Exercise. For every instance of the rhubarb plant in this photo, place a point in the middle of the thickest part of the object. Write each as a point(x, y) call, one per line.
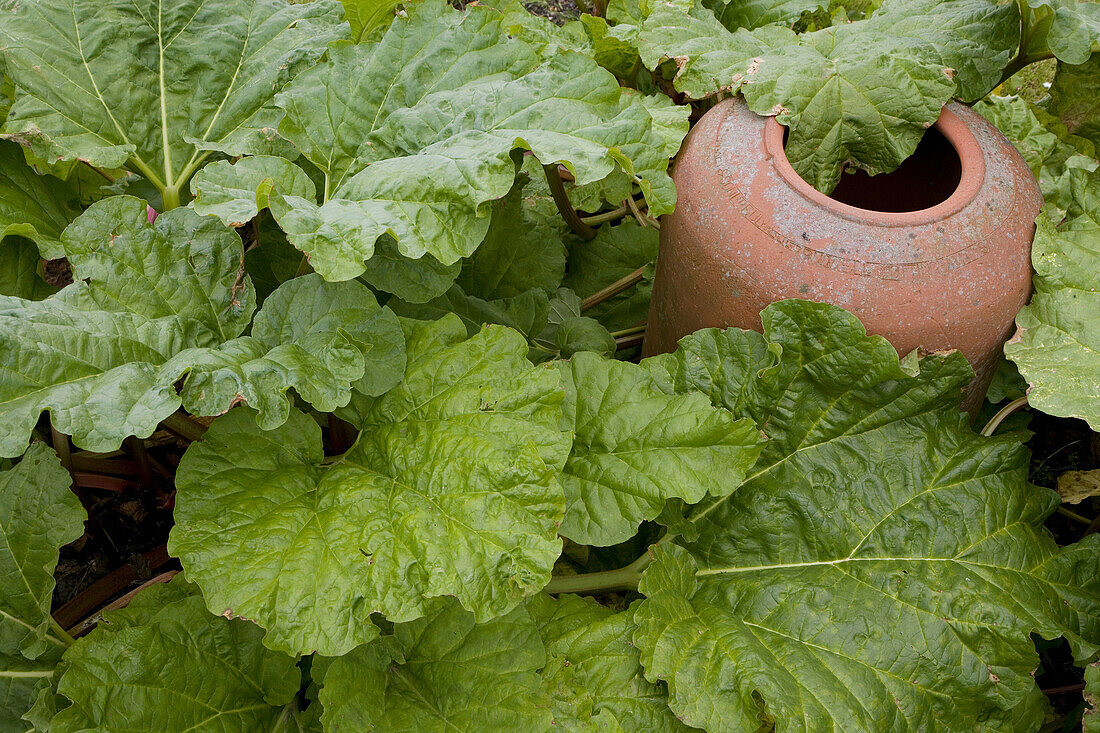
point(352, 294)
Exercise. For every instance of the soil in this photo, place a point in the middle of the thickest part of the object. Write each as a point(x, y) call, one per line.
point(559, 11)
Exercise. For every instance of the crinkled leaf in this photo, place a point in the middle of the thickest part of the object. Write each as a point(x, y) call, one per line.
point(851, 94)
point(882, 568)
point(1057, 346)
point(1068, 28)
point(415, 135)
point(1016, 119)
point(236, 192)
point(859, 93)
point(1075, 98)
point(21, 270)
point(152, 84)
point(22, 683)
point(33, 206)
point(975, 38)
point(708, 58)
point(164, 663)
point(635, 447)
point(38, 514)
point(593, 657)
point(441, 673)
point(154, 302)
point(1076, 486)
point(616, 252)
point(448, 491)
point(416, 281)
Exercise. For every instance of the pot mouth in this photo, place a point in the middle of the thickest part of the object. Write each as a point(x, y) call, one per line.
point(953, 133)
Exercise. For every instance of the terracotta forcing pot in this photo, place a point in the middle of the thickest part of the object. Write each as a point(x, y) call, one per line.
point(934, 256)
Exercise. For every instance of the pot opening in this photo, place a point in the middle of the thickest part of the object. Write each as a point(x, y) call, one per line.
point(926, 178)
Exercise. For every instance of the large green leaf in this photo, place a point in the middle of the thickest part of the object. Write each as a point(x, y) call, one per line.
point(367, 17)
point(883, 567)
point(635, 447)
point(154, 302)
point(165, 664)
point(440, 674)
point(38, 514)
point(152, 84)
point(1067, 28)
point(33, 206)
point(594, 670)
point(1075, 98)
point(1057, 346)
point(751, 14)
point(21, 272)
point(616, 252)
point(451, 489)
point(415, 134)
point(860, 93)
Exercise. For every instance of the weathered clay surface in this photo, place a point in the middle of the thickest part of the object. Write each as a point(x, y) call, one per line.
point(748, 231)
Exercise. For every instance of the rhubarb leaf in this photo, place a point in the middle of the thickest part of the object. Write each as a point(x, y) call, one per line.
point(615, 253)
point(1057, 346)
point(38, 514)
point(154, 85)
point(439, 674)
point(635, 447)
point(593, 660)
point(156, 302)
point(1075, 98)
point(451, 489)
point(415, 133)
point(752, 14)
point(33, 206)
point(847, 585)
point(21, 270)
point(1067, 28)
point(165, 663)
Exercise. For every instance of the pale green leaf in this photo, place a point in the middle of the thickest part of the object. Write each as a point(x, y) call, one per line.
point(451, 489)
point(1068, 28)
point(415, 134)
point(635, 447)
point(236, 192)
point(707, 57)
point(165, 664)
point(1057, 346)
point(975, 38)
point(1016, 119)
point(440, 674)
point(155, 85)
point(593, 660)
point(38, 514)
point(33, 206)
point(155, 302)
point(881, 569)
point(416, 281)
point(851, 93)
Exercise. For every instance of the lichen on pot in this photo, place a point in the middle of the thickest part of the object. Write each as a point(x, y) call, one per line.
point(934, 256)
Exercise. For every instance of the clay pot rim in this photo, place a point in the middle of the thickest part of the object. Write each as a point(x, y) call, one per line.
point(954, 130)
